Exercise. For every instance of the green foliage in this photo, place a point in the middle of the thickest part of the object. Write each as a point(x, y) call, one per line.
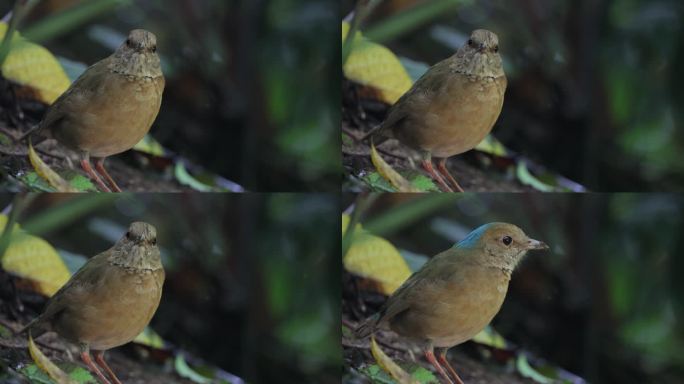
point(412, 18)
point(378, 376)
point(76, 373)
point(57, 24)
point(184, 370)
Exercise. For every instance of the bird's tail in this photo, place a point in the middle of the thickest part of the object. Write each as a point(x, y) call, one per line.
point(367, 326)
point(35, 326)
point(377, 134)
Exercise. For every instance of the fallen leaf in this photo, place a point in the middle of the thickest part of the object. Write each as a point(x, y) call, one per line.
point(387, 364)
point(43, 170)
point(48, 366)
point(387, 172)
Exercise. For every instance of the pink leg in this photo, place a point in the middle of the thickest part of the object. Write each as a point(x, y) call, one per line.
point(427, 165)
point(431, 358)
point(99, 165)
point(441, 356)
point(85, 356)
point(441, 166)
point(99, 358)
point(85, 164)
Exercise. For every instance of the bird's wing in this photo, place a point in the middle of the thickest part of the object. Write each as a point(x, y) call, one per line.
point(435, 272)
point(420, 94)
point(87, 84)
point(78, 286)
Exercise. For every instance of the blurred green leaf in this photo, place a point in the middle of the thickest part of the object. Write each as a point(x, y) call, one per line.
point(527, 178)
point(185, 178)
point(410, 19)
point(526, 370)
point(59, 215)
point(57, 24)
point(184, 370)
point(410, 211)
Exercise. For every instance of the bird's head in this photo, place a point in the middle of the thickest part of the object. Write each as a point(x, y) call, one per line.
point(499, 245)
point(479, 56)
point(141, 40)
point(137, 56)
point(137, 248)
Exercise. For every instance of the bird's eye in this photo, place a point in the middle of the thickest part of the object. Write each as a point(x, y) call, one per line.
point(128, 42)
point(154, 48)
point(507, 240)
point(496, 48)
point(154, 241)
point(128, 234)
point(470, 42)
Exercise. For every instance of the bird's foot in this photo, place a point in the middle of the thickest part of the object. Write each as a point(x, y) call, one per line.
point(429, 354)
point(441, 166)
point(99, 165)
point(85, 164)
point(441, 357)
point(99, 358)
point(427, 165)
point(85, 356)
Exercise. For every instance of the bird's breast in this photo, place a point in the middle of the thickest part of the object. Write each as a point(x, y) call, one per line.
point(452, 312)
point(113, 116)
point(456, 116)
point(115, 310)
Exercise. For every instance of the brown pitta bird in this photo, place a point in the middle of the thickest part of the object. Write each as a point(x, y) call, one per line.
point(455, 294)
point(111, 106)
point(452, 107)
point(110, 300)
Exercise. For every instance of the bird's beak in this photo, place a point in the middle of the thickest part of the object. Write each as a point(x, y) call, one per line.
point(536, 244)
point(481, 48)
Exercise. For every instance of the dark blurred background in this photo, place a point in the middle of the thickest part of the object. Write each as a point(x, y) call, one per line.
point(606, 302)
point(248, 93)
point(595, 86)
point(248, 285)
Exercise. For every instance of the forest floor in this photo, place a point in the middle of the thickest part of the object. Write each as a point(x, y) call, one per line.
point(474, 170)
point(133, 364)
point(475, 363)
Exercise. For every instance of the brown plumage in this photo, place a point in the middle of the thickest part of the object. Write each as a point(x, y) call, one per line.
point(452, 107)
point(111, 106)
point(110, 300)
point(456, 293)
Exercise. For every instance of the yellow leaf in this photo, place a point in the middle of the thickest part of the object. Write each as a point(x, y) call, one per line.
point(387, 172)
point(33, 258)
point(490, 337)
point(149, 338)
point(35, 68)
point(56, 374)
point(345, 224)
point(150, 146)
point(389, 366)
point(375, 66)
point(492, 146)
point(375, 258)
point(43, 170)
